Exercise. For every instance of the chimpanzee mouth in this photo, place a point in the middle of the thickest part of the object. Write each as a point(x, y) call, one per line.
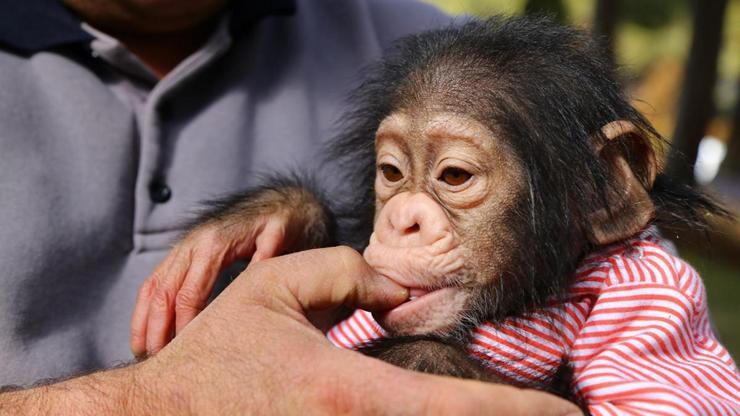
point(416, 293)
point(423, 299)
point(453, 282)
point(426, 310)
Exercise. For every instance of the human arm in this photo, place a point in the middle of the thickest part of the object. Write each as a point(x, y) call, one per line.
point(112, 392)
point(254, 351)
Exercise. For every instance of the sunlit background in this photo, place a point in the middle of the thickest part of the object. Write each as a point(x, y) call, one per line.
point(680, 62)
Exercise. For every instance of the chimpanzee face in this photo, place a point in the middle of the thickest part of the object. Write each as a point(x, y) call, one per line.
point(446, 192)
point(504, 154)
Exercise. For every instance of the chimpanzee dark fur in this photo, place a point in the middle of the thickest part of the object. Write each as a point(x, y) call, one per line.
point(429, 354)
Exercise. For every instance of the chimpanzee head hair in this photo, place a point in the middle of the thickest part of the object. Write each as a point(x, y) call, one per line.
point(547, 91)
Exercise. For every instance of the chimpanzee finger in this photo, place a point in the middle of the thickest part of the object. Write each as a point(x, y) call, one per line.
point(197, 286)
point(140, 316)
point(166, 281)
point(139, 319)
point(269, 242)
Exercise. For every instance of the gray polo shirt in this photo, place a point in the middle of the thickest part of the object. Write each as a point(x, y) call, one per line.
point(100, 162)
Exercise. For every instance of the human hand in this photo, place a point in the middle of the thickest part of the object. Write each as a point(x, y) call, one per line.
point(180, 286)
point(253, 350)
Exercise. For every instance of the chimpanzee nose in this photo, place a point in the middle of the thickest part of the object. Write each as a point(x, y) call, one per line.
point(411, 220)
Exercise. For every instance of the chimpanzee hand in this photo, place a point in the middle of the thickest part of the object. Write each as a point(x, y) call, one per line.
point(257, 225)
point(179, 287)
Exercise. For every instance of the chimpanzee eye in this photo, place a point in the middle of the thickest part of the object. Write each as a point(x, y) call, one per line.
point(391, 173)
point(454, 176)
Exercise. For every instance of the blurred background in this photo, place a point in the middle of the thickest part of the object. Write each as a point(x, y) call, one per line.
point(680, 62)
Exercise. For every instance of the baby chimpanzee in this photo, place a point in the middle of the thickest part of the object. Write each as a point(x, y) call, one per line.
point(513, 189)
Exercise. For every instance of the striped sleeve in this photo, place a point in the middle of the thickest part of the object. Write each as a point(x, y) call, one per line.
point(528, 351)
point(356, 330)
point(647, 347)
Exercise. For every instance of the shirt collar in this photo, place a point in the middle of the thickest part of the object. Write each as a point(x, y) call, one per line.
point(30, 26)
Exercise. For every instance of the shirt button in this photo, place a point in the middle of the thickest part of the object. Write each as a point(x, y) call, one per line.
point(159, 192)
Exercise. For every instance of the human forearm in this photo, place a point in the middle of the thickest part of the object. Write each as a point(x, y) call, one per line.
point(114, 392)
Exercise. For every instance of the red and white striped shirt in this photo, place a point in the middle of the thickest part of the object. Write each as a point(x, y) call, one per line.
point(634, 326)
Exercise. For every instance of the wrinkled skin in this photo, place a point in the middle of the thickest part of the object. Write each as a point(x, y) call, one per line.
point(444, 184)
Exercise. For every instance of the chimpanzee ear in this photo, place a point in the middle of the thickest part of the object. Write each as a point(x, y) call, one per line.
point(632, 166)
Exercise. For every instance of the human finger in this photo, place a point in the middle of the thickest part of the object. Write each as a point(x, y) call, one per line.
point(320, 279)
